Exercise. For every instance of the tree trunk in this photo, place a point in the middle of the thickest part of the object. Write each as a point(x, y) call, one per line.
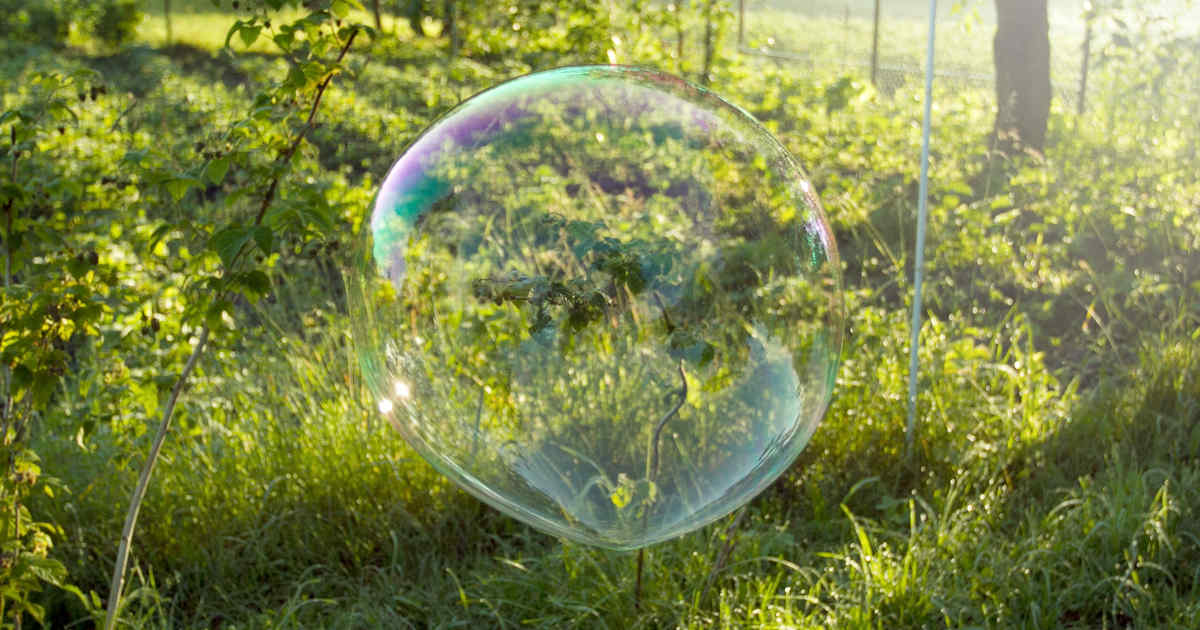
point(706, 75)
point(450, 24)
point(378, 16)
point(1022, 55)
point(167, 17)
point(415, 15)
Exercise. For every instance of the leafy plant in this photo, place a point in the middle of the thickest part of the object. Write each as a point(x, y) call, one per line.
point(116, 21)
point(277, 127)
point(54, 294)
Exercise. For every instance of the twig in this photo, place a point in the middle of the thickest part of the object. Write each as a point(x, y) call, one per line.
point(726, 551)
point(139, 492)
point(286, 156)
point(637, 589)
point(9, 406)
point(663, 423)
point(652, 470)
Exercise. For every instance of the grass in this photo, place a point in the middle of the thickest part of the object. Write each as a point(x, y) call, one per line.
point(1055, 483)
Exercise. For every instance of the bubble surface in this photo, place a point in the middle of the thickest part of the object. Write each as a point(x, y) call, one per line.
point(601, 299)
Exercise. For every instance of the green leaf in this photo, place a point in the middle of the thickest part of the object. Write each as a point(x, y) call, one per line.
point(179, 186)
point(236, 28)
point(216, 317)
point(21, 377)
point(249, 34)
point(43, 387)
point(73, 187)
point(159, 232)
point(255, 281)
point(264, 238)
point(133, 158)
point(45, 569)
point(340, 8)
point(215, 170)
point(285, 39)
point(228, 242)
point(88, 314)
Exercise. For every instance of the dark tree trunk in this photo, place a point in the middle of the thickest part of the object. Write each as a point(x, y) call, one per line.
point(1022, 54)
point(167, 17)
point(378, 16)
point(706, 75)
point(450, 24)
point(416, 13)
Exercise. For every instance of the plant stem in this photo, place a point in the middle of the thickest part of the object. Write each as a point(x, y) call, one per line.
point(8, 411)
point(637, 591)
point(287, 155)
point(652, 465)
point(9, 417)
point(723, 556)
point(139, 492)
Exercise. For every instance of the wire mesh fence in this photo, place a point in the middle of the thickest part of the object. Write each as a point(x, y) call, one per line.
point(885, 39)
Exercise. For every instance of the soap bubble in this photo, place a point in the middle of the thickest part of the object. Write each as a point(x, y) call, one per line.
point(601, 299)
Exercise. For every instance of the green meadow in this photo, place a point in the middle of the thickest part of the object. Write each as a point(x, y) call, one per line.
point(204, 191)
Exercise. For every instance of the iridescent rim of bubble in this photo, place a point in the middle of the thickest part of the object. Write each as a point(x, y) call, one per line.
point(409, 192)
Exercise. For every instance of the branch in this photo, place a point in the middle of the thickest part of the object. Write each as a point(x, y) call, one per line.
point(286, 156)
point(139, 492)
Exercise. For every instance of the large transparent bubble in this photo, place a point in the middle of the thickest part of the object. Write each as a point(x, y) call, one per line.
point(601, 299)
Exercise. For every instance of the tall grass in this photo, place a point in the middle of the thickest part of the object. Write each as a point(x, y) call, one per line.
point(1055, 481)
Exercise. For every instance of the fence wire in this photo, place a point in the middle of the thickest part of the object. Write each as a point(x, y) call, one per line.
point(841, 34)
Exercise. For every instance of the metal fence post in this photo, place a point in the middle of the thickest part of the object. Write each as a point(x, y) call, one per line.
point(914, 363)
point(1087, 53)
point(741, 23)
point(875, 49)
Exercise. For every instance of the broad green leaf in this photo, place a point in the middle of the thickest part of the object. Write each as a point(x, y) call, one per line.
point(236, 28)
point(46, 569)
point(178, 187)
point(249, 34)
point(159, 232)
point(228, 242)
point(255, 281)
point(264, 238)
point(215, 170)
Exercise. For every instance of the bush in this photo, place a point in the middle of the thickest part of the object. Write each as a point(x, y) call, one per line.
point(117, 22)
point(34, 21)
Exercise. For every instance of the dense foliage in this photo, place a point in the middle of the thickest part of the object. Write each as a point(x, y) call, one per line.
point(199, 198)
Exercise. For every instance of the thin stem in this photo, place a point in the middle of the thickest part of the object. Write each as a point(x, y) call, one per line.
point(652, 467)
point(7, 416)
point(9, 411)
point(8, 212)
point(287, 155)
point(658, 429)
point(139, 492)
point(637, 590)
point(726, 551)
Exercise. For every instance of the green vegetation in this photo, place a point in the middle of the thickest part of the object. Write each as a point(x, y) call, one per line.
point(152, 191)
